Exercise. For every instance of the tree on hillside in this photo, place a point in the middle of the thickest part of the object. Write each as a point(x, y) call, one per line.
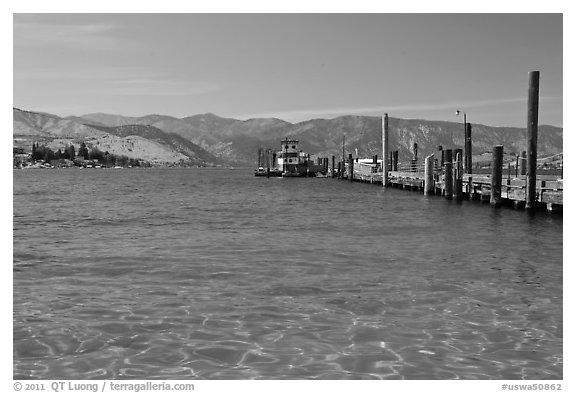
point(38, 152)
point(83, 151)
point(48, 154)
point(71, 152)
point(108, 159)
point(122, 161)
point(96, 154)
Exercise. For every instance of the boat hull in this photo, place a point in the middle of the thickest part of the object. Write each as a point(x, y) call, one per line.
point(272, 173)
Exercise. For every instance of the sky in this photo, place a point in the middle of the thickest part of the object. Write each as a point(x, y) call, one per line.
point(290, 66)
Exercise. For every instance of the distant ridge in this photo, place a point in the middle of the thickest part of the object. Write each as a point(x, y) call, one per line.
point(231, 141)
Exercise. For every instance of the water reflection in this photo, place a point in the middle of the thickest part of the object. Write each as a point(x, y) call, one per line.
point(318, 279)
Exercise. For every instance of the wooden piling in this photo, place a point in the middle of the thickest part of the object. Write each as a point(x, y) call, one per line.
point(457, 191)
point(395, 167)
point(496, 178)
point(259, 157)
point(429, 175)
point(441, 150)
point(448, 179)
point(532, 138)
point(350, 167)
point(523, 164)
point(468, 149)
point(385, 151)
point(333, 166)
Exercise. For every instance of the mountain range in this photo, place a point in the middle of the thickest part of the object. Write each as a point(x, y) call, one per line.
point(208, 139)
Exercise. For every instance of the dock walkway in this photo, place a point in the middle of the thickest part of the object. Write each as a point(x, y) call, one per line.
point(549, 189)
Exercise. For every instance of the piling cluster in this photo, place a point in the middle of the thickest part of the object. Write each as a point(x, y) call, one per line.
point(452, 176)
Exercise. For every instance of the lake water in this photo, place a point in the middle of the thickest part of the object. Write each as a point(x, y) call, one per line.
point(217, 274)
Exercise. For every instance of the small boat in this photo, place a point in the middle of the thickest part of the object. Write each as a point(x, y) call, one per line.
point(293, 174)
point(267, 172)
point(260, 172)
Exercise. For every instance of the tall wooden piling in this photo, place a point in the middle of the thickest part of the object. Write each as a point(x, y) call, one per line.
point(523, 164)
point(343, 155)
point(457, 191)
point(385, 152)
point(414, 163)
point(470, 188)
point(496, 178)
point(448, 179)
point(441, 150)
point(532, 138)
point(350, 167)
point(259, 157)
point(333, 166)
point(267, 155)
point(468, 149)
point(429, 175)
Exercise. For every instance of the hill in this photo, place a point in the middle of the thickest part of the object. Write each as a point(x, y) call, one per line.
point(172, 141)
point(141, 142)
point(207, 138)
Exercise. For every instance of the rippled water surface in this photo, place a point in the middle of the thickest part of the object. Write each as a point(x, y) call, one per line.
point(216, 274)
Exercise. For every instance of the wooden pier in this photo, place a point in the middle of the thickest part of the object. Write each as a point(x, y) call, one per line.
point(444, 175)
point(549, 189)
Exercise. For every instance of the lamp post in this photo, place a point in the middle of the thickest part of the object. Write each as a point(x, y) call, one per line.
point(467, 143)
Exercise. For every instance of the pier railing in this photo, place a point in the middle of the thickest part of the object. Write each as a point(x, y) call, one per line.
point(513, 188)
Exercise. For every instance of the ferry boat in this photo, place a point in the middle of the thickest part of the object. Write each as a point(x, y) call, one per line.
point(290, 161)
